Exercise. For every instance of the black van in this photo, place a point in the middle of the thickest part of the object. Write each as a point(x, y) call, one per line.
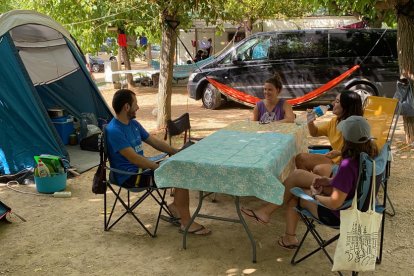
point(305, 59)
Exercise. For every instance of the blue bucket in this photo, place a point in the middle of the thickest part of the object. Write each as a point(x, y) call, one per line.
point(51, 184)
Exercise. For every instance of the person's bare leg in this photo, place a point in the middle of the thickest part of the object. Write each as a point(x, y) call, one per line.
point(298, 178)
point(181, 204)
point(263, 213)
point(292, 218)
point(323, 169)
point(307, 161)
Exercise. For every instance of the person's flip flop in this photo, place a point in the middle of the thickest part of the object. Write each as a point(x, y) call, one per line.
point(281, 243)
point(201, 231)
point(251, 214)
point(174, 221)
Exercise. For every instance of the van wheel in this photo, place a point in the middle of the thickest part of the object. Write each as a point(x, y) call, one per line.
point(211, 97)
point(363, 90)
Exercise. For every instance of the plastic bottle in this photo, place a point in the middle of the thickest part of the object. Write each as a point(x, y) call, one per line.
point(320, 110)
point(42, 169)
point(62, 194)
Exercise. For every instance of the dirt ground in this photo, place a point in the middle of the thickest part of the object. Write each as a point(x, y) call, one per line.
point(65, 236)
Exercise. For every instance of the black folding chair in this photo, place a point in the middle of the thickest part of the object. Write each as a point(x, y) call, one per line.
point(179, 126)
point(123, 194)
point(311, 222)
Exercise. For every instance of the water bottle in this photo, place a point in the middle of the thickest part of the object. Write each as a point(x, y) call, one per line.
point(62, 194)
point(320, 110)
point(42, 169)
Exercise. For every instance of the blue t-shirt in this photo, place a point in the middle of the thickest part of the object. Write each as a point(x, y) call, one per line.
point(346, 178)
point(121, 136)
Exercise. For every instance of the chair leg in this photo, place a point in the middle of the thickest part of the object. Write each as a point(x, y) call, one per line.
point(392, 213)
point(379, 259)
point(129, 209)
point(310, 225)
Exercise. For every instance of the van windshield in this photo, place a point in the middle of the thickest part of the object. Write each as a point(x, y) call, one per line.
point(254, 49)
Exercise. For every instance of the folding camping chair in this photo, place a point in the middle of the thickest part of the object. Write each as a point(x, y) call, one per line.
point(363, 190)
point(177, 127)
point(382, 115)
point(129, 206)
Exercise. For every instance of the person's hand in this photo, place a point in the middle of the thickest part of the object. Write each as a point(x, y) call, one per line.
point(321, 182)
point(316, 190)
point(332, 154)
point(310, 116)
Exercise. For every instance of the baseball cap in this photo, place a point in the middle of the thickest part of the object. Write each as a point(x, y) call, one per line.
point(355, 129)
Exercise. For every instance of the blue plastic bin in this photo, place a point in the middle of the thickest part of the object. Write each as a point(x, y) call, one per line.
point(64, 127)
point(51, 184)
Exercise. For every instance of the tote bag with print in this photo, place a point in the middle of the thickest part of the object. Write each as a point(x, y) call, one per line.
point(359, 236)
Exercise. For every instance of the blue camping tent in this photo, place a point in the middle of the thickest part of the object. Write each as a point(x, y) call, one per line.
point(41, 68)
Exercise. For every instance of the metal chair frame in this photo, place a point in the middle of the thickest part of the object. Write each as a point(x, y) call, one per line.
point(363, 189)
point(129, 205)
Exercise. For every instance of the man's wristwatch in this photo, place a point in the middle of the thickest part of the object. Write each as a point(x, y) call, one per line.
point(313, 196)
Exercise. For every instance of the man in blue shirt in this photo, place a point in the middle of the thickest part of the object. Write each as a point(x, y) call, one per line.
point(125, 136)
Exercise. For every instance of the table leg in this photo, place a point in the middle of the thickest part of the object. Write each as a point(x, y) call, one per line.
point(240, 220)
point(200, 202)
point(246, 228)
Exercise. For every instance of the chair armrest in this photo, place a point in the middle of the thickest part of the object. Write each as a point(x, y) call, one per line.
point(298, 192)
point(126, 172)
point(158, 158)
point(319, 149)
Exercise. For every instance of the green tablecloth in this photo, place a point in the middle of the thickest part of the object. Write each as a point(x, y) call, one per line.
point(245, 159)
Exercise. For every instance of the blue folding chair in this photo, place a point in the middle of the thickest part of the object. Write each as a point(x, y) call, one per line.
point(311, 222)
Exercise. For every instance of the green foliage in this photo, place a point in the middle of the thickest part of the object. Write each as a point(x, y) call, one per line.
point(362, 8)
point(238, 10)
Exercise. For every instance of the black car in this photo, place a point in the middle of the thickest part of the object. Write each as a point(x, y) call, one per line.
point(305, 59)
point(96, 64)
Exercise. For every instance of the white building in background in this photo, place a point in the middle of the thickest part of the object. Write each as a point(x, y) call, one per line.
point(196, 37)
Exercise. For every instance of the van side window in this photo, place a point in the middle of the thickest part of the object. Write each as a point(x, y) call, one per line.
point(358, 44)
point(253, 49)
point(341, 45)
point(299, 45)
point(391, 40)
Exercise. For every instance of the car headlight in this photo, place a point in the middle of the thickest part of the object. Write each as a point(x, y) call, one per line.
point(192, 76)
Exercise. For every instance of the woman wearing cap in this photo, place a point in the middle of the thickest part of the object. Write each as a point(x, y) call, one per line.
point(346, 104)
point(332, 193)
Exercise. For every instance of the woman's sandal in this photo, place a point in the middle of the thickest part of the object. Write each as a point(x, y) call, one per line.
point(281, 243)
point(200, 231)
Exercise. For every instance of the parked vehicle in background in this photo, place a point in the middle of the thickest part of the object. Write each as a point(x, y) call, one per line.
point(96, 64)
point(305, 59)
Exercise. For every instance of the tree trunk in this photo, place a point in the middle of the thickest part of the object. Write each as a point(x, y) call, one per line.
point(406, 61)
point(168, 45)
point(127, 64)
